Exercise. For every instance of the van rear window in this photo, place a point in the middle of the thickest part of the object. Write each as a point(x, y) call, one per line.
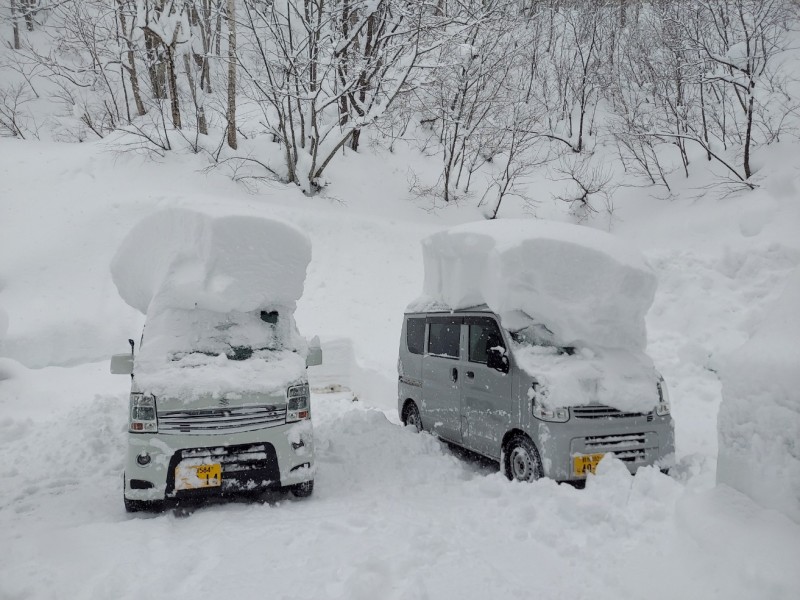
point(415, 335)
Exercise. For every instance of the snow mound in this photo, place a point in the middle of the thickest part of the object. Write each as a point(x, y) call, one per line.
point(586, 286)
point(759, 418)
point(188, 259)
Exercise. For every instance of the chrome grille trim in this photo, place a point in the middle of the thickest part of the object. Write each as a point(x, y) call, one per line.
point(601, 411)
point(221, 420)
point(616, 442)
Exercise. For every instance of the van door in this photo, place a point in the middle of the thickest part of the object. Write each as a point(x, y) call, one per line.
point(441, 378)
point(485, 392)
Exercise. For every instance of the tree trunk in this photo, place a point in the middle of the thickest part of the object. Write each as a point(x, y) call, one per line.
point(172, 78)
point(200, 112)
point(15, 24)
point(133, 74)
point(231, 113)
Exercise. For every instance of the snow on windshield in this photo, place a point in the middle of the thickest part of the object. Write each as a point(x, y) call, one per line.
point(575, 297)
point(219, 294)
point(185, 353)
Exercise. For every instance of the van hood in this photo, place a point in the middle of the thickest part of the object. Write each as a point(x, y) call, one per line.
point(201, 381)
point(621, 379)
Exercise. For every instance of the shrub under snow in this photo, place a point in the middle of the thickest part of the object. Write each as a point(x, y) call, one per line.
point(759, 419)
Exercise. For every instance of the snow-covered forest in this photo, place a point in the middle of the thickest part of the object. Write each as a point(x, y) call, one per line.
point(370, 125)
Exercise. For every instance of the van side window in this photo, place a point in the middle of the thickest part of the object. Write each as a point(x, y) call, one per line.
point(483, 334)
point(415, 335)
point(444, 339)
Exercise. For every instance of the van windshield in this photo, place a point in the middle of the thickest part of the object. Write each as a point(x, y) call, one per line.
point(537, 334)
point(179, 333)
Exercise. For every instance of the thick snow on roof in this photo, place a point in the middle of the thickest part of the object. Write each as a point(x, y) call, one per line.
point(188, 259)
point(759, 418)
point(584, 285)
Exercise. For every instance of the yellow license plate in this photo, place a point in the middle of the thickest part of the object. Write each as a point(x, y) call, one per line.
point(191, 477)
point(585, 463)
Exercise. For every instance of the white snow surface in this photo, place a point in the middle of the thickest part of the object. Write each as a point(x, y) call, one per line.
point(759, 419)
point(394, 514)
point(188, 259)
point(586, 286)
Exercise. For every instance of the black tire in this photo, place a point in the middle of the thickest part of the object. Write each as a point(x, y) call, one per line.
point(151, 506)
point(302, 490)
point(133, 506)
point(411, 417)
point(521, 460)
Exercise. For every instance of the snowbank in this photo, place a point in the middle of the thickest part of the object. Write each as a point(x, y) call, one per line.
point(187, 259)
point(759, 418)
point(586, 286)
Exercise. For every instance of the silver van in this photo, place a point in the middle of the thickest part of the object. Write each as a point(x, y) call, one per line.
point(186, 441)
point(459, 379)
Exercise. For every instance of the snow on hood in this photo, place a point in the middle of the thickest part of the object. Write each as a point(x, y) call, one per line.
point(588, 287)
point(185, 258)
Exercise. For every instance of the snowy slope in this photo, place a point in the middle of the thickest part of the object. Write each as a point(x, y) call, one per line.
point(394, 515)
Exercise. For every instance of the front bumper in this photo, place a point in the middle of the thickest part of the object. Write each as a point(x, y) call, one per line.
point(638, 442)
point(268, 458)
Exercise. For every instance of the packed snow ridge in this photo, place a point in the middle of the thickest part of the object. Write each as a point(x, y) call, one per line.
point(759, 418)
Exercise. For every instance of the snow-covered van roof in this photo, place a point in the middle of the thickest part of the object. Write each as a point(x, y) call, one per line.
point(587, 286)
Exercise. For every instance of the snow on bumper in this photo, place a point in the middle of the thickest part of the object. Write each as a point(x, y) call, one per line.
point(263, 459)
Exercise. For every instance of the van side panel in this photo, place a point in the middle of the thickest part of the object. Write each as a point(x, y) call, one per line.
point(409, 365)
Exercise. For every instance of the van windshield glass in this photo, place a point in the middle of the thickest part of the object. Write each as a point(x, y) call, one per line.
point(537, 334)
point(177, 333)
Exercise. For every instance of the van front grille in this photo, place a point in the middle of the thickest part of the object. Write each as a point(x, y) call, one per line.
point(628, 447)
point(221, 420)
point(600, 411)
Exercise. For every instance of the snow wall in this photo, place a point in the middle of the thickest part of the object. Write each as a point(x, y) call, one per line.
point(759, 418)
point(586, 286)
point(187, 259)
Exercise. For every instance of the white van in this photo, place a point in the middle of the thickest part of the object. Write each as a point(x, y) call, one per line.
point(219, 404)
point(472, 382)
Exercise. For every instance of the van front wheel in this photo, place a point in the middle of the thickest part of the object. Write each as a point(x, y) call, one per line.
point(302, 490)
point(521, 460)
point(411, 417)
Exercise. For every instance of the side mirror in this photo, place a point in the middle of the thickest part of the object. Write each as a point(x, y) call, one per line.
point(314, 357)
point(496, 359)
point(122, 364)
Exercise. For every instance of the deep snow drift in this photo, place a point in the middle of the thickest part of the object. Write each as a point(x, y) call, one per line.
point(394, 515)
point(759, 419)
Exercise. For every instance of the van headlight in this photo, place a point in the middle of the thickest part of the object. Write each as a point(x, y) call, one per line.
point(143, 414)
point(542, 412)
point(554, 415)
point(297, 403)
point(662, 408)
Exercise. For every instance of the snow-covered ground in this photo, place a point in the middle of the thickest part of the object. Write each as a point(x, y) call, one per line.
point(394, 514)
